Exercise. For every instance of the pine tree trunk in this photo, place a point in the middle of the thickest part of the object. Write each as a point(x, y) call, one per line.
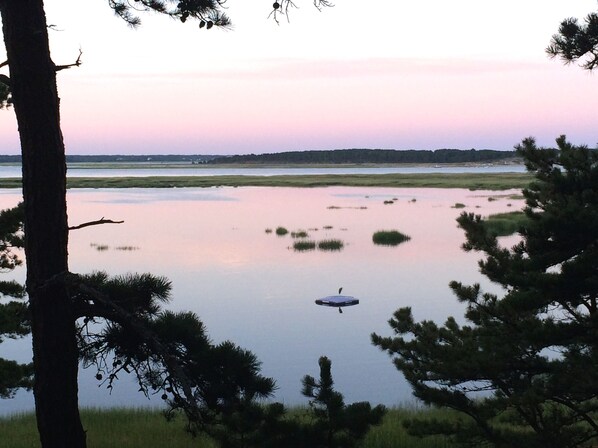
point(55, 356)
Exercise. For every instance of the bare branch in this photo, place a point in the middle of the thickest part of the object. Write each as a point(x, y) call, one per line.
point(95, 223)
point(3, 64)
point(77, 63)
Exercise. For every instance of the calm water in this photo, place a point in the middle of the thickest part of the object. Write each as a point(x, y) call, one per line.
point(15, 171)
point(249, 286)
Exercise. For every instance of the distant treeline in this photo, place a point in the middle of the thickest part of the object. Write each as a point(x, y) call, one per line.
point(371, 156)
point(336, 156)
point(155, 158)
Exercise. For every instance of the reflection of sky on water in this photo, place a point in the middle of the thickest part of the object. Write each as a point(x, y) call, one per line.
point(143, 195)
point(251, 287)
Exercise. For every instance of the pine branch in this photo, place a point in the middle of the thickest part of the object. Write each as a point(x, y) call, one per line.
point(105, 308)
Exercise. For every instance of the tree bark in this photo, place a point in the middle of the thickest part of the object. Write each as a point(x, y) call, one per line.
point(36, 102)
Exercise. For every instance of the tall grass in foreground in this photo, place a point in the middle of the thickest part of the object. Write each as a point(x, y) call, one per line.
point(146, 428)
point(113, 428)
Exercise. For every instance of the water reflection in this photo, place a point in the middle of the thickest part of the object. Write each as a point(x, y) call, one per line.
point(253, 288)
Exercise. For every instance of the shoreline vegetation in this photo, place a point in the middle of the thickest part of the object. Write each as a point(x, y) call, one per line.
point(140, 428)
point(471, 181)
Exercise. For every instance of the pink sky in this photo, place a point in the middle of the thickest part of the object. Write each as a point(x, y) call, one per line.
point(422, 76)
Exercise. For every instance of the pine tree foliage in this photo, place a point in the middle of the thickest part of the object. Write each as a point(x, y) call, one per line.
point(523, 370)
point(209, 13)
point(336, 424)
point(5, 96)
point(14, 317)
point(124, 329)
point(577, 41)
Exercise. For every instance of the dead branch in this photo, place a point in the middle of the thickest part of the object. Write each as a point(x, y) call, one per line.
point(77, 63)
point(95, 223)
point(3, 64)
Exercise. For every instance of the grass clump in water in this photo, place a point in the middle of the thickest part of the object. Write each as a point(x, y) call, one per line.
point(505, 224)
point(281, 231)
point(299, 234)
point(389, 237)
point(331, 245)
point(268, 230)
point(304, 245)
point(126, 248)
point(458, 205)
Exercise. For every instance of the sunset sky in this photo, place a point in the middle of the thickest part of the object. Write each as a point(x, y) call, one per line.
point(394, 74)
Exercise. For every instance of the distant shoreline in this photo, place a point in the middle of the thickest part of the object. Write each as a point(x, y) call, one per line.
point(472, 181)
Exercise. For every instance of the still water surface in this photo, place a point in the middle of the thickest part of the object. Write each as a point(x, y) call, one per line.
point(251, 287)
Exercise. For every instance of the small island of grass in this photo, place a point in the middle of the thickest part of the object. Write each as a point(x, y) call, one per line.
point(281, 231)
point(330, 245)
point(389, 238)
point(505, 224)
point(304, 245)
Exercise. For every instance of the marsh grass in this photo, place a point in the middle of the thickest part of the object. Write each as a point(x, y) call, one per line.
point(330, 245)
point(458, 205)
point(126, 248)
point(114, 428)
point(505, 224)
point(388, 202)
point(147, 428)
point(389, 237)
point(281, 231)
point(304, 245)
point(336, 207)
point(299, 234)
point(472, 181)
point(268, 230)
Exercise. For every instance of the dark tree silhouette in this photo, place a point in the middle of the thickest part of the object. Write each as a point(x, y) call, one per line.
point(14, 318)
point(335, 424)
point(34, 94)
point(577, 42)
point(523, 370)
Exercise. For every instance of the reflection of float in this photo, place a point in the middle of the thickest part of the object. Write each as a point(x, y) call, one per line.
point(337, 301)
